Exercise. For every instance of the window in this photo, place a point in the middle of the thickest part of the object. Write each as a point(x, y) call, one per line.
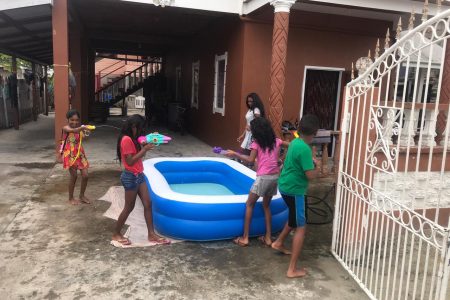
point(219, 83)
point(195, 80)
point(178, 84)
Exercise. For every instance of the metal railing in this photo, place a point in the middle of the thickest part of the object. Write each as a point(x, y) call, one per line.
point(113, 91)
point(391, 226)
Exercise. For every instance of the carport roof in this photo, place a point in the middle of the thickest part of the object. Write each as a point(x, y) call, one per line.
point(27, 32)
point(110, 26)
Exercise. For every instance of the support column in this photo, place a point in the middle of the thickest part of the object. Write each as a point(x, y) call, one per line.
point(278, 64)
point(14, 94)
point(442, 118)
point(78, 63)
point(45, 91)
point(61, 65)
point(90, 83)
point(34, 92)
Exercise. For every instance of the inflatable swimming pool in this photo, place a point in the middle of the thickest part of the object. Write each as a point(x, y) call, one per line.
point(202, 199)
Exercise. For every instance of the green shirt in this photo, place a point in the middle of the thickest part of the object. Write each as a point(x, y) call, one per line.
point(299, 159)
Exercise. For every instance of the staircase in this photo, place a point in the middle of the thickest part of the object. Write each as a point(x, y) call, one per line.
point(120, 88)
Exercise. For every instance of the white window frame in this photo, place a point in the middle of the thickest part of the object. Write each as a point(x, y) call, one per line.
point(194, 97)
point(218, 58)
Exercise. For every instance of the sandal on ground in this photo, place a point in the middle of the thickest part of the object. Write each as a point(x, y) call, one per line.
point(160, 241)
point(238, 241)
point(124, 241)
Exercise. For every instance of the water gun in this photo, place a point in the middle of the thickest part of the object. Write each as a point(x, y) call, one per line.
point(154, 138)
point(219, 150)
point(89, 127)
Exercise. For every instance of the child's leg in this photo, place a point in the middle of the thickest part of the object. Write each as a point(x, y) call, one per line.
point(249, 205)
point(297, 245)
point(278, 244)
point(130, 200)
point(299, 236)
point(72, 182)
point(84, 181)
point(146, 202)
point(268, 219)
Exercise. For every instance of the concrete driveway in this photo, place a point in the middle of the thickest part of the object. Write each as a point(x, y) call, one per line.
point(51, 250)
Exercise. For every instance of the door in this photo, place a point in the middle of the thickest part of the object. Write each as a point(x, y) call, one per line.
point(321, 98)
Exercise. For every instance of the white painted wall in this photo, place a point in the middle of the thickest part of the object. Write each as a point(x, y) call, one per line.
point(227, 6)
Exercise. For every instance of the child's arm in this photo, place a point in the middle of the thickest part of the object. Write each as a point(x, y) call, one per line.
point(241, 137)
point(132, 159)
point(285, 144)
point(315, 173)
point(248, 158)
point(69, 129)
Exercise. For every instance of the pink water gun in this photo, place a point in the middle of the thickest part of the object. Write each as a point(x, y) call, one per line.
point(154, 138)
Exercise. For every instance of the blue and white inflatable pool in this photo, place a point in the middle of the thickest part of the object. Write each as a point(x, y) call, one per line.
point(203, 198)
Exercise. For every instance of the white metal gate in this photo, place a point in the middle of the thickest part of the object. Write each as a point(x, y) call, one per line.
point(391, 225)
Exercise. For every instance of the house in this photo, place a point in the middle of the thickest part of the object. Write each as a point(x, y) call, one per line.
point(299, 57)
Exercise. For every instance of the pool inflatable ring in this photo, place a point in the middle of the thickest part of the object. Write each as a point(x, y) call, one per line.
point(196, 216)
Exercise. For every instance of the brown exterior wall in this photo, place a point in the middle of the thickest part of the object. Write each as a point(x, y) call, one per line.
point(225, 35)
point(314, 40)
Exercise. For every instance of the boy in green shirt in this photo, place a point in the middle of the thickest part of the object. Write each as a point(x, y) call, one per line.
point(298, 169)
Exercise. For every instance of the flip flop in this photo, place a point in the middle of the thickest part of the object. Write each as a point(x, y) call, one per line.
point(85, 201)
point(124, 241)
point(262, 239)
point(238, 242)
point(160, 241)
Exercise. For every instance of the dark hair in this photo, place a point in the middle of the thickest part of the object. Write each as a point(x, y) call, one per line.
point(127, 130)
point(257, 103)
point(308, 125)
point(263, 133)
point(71, 113)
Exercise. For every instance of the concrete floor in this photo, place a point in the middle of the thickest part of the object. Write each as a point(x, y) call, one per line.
point(51, 250)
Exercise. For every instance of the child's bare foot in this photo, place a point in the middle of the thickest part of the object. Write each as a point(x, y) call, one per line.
point(85, 200)
point(121, 239)
point(240, 241)
point(296, 273)
point(74, 201)
point(281, 248)
point(154, 238)
point(266, 241)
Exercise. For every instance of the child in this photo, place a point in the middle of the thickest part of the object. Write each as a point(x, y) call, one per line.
point(297, 171)
point(266, 148)
point(130, 154)
point(73, 155)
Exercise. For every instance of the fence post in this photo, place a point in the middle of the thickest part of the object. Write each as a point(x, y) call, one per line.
point(446, 265)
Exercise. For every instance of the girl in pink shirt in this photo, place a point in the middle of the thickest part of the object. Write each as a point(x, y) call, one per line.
point(266, 149)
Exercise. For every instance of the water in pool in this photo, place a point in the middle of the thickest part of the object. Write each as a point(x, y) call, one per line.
point(201, 189)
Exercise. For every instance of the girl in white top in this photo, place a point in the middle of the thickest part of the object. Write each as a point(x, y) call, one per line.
point(255, 109)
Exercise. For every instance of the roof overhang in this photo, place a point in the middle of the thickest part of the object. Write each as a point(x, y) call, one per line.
point(13, 4)
point(26, 30)
point(225, 6)
point(394, 6)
